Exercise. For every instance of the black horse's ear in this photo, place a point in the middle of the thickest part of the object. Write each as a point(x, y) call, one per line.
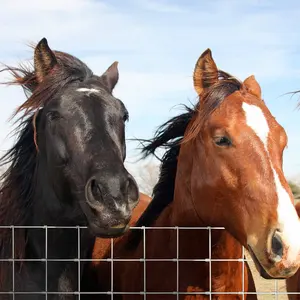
point(111, 76)
point(44, 60)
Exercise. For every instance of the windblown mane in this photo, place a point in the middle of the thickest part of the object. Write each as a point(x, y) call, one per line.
point(170, 135)
point(18, 182)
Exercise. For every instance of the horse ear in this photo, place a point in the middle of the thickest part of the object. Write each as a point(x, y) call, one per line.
point(205, 72)
point(252, 86)
point(44, 60)
point(111, 76)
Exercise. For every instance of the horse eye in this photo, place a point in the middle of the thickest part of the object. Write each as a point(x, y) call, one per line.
point(53, 115)
point(126, 117)
point(222, 141)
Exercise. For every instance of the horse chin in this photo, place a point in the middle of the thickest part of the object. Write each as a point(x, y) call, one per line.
point(109, 232)
point(100, 230)
point(261, 270)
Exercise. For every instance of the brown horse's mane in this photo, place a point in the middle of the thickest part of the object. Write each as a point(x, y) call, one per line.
point(170, 135)
point(19, 180)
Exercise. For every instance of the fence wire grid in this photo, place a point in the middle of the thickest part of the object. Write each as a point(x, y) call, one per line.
point(278, 293)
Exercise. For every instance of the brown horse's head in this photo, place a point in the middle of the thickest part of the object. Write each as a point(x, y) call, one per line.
point(237, 162)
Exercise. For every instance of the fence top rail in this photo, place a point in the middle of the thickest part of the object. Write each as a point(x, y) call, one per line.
point(85, 227)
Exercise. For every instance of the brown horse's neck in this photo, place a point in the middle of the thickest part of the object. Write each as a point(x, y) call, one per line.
point(194, 244)
point(182, 213)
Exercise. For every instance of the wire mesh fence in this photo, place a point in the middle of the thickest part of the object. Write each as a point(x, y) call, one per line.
point(265, 289)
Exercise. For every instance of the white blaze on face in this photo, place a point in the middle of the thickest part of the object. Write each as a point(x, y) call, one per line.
point(288, 222)
point(88, 91)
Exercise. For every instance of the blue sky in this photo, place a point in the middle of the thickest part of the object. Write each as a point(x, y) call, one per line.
point(157, 43)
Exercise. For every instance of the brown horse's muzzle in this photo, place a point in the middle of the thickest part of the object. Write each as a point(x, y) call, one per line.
point(276, 259)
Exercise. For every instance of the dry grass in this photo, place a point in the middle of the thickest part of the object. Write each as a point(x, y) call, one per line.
point(267, 286)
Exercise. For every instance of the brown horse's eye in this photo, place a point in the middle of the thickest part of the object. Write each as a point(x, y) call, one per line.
point(222, 141)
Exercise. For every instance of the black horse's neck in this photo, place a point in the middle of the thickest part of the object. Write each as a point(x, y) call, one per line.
point(51, 245)
point(29, 196)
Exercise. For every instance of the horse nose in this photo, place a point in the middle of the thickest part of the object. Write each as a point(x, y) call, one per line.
point(120, 187)
point(276, 247)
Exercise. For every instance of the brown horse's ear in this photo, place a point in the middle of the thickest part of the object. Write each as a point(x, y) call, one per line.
point(252, 86)
point(44, 60)
point(111, 76)
point(205, 72)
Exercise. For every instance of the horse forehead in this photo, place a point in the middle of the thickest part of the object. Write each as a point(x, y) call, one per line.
point(78, 98)
point(256, 119)
point(100, 93)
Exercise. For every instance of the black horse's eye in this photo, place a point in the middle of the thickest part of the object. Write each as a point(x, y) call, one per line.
point(53, 115)
point(126, 117)
point(222, 141)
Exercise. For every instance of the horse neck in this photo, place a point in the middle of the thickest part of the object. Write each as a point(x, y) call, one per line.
point(48, 209)
point(181, 213)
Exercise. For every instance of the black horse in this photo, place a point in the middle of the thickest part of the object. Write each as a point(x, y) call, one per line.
point(66, 169)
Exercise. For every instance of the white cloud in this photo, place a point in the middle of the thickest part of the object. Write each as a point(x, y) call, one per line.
point(160, 6)
point(71, 25)
point(35, 6)
point(139, 90)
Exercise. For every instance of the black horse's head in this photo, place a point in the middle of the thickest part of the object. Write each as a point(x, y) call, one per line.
point(79, 132)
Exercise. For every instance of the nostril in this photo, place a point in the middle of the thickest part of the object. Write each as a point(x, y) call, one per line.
point(95, 188)
point(127, 184)
point(277, 247)
point(133, 190)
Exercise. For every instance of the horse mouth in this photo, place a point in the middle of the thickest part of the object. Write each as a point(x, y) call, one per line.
point(262, 272)
point(108, 232)
point(102, 230)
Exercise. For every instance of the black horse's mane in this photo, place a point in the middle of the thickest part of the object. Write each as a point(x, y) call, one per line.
point(169, 136)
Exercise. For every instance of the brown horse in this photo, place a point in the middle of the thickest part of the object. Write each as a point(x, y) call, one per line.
point(293, 283)
point(223, 168)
